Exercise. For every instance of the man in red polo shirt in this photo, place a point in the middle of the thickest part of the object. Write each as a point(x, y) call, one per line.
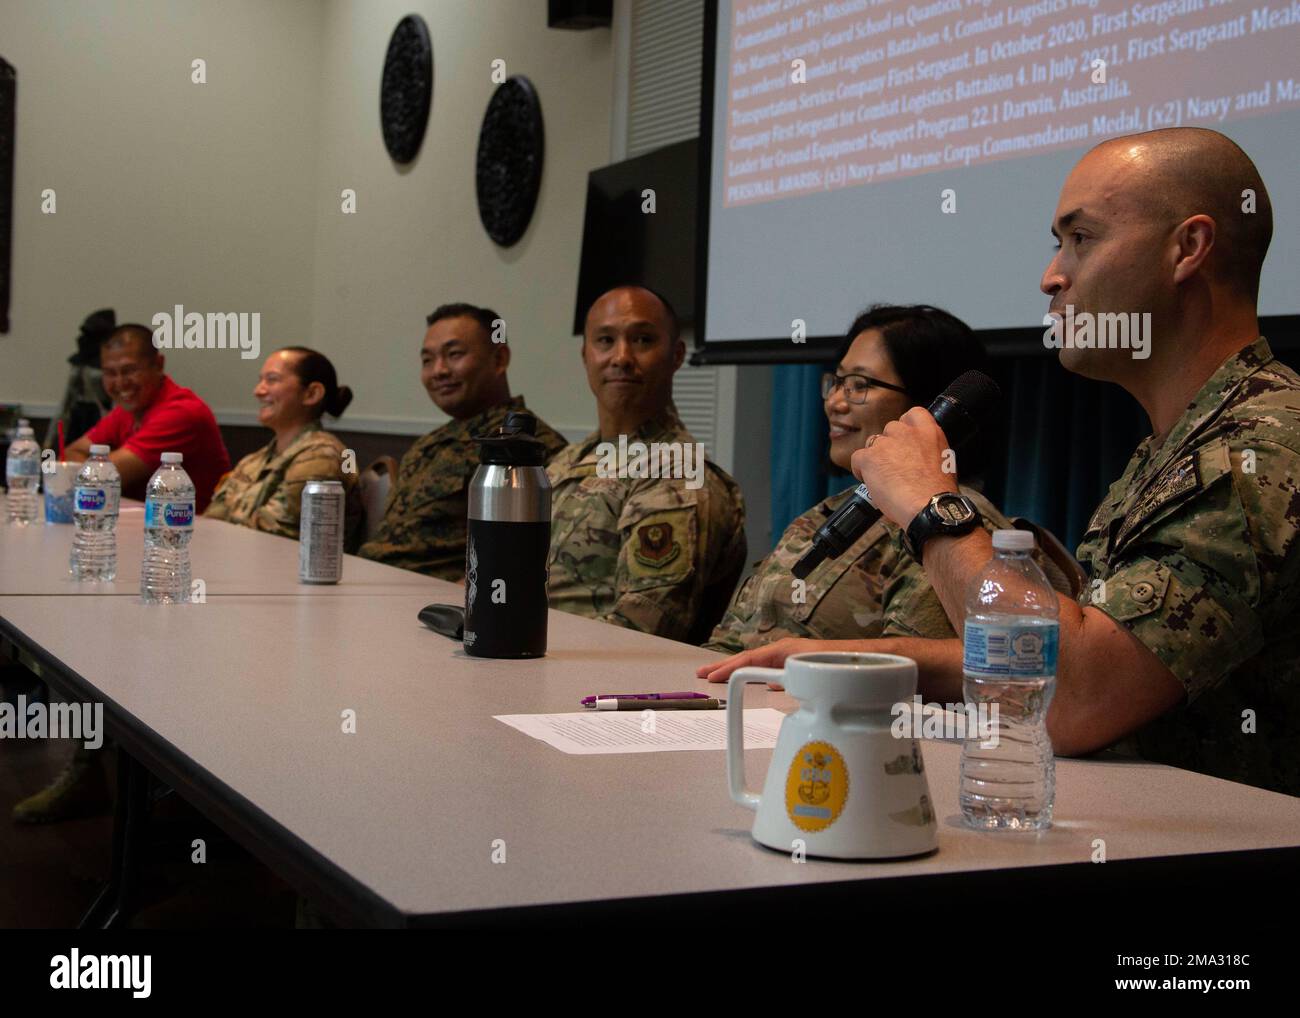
point(152, 415)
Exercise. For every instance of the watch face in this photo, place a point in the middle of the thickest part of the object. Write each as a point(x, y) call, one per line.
point(952, 510)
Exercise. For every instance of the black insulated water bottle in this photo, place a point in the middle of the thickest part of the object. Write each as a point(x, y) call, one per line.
point(508, 543)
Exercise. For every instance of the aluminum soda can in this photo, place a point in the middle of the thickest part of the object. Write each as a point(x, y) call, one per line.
point(320, 534)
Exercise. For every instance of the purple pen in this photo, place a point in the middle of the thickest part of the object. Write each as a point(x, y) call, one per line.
point(590, 701)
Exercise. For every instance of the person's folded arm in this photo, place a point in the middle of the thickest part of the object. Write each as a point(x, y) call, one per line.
point(78, 451)
point(1108, 683)
point(131, 468)
point(282, 513)
point(938, 662)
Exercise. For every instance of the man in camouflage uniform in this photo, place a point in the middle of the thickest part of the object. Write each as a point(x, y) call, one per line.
point(1184, 647)
point(463, 364)
point(1194, 550)
point(660, 554)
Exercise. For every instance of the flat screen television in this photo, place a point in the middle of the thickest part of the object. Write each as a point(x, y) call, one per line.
point(621, 243)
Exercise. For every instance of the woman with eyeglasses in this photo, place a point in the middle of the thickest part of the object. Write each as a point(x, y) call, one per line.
point(893, 358)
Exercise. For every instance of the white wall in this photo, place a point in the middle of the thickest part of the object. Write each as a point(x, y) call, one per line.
point(416, 240)
point(225, 196)
point(167, 191)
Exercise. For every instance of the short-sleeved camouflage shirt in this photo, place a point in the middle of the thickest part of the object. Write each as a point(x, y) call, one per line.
point(875, 588)
point(1195, 551)
point(647, 553)
point(264, 490)
point(424, 526)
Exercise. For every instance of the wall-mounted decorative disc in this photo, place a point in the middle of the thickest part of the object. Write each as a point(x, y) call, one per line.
point(509, 168)
point(407, 88)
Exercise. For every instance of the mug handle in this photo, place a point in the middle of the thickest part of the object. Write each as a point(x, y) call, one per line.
point(736, 729)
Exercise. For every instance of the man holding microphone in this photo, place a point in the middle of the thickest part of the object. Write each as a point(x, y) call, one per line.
point(1185, 645)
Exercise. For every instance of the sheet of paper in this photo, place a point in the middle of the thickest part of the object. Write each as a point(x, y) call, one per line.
point(636, 732)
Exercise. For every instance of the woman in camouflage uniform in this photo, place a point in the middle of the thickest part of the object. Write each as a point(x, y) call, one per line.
point(893, 358)
point(264, 490)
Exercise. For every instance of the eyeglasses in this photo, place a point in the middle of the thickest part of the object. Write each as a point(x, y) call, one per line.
point(855, 386)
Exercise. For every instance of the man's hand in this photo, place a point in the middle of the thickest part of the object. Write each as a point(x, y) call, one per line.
point(771, 655)
point(902, 467)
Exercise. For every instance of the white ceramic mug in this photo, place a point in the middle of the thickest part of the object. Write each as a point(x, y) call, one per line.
point(840, 784)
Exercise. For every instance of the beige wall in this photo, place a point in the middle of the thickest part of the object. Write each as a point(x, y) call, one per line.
point(226, 196)
point(416, 240)
point(167, 191)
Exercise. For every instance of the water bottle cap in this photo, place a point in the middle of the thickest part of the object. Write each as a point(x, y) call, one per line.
point(99, 450)
point(1013, 540)
point(23, 422)
point(172, 457)
point(514, 444)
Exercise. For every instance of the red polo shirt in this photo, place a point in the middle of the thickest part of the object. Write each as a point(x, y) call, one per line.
point(175, 421)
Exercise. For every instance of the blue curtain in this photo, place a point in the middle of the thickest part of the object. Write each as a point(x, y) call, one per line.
point(1064, 440)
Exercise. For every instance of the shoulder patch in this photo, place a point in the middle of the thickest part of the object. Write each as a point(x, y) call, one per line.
point(660, 547)
point(656, 545)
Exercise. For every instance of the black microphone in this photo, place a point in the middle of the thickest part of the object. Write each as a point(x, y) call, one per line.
point(959, 410)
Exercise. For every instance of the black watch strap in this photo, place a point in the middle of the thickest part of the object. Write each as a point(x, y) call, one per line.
point(936, 519)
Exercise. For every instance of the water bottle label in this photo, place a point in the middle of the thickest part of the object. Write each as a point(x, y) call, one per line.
point(26, 467)
point(169, 515)
point(91, 500)
point(1027, 651)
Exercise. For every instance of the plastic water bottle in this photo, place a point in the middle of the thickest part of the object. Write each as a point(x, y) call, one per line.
point(23, 476)
point(1008, 775)
point(168, 526)
point(95, 501)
